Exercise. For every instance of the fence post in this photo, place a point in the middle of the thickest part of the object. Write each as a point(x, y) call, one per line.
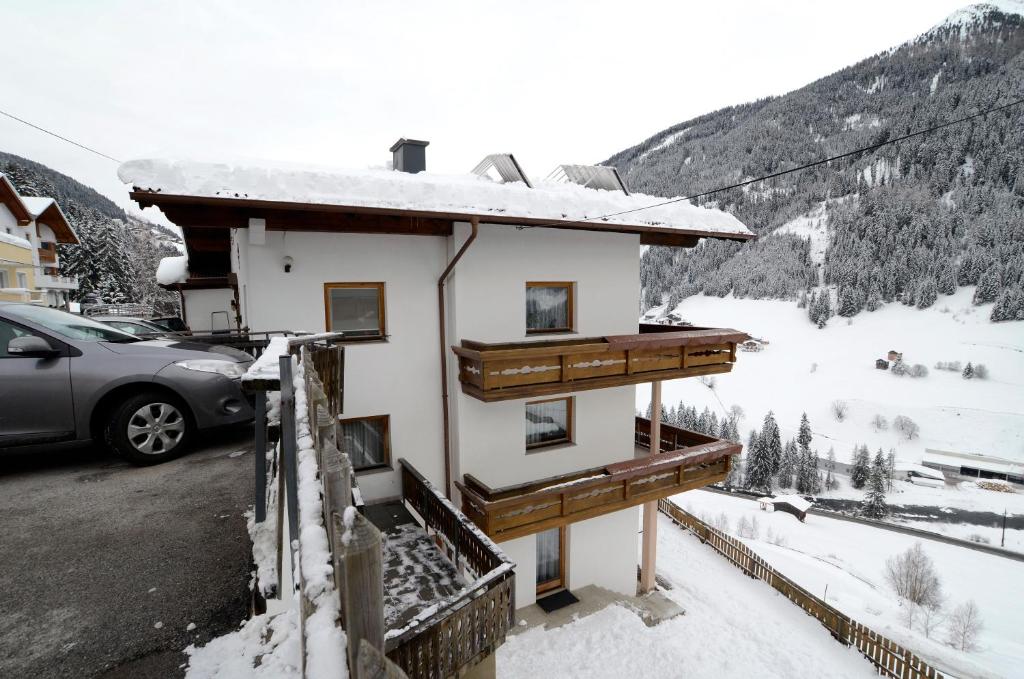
point(288, 452)
point(359, 561)
point(374, 665)
point(337, 480)
point(260, 443)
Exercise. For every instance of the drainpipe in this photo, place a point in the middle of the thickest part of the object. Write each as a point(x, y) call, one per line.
point(474, 223)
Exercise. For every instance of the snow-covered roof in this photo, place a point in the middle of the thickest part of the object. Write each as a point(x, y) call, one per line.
point(36, 205)
point(794, 501)
point(920, 469)
point(444, 195)
point(16, 241)
point(996, 465)
point(172, 270)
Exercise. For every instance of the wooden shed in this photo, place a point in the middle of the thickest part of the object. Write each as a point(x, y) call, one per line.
point(792, 504)
point(882, 364)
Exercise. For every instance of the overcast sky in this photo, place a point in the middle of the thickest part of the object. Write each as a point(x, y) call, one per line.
point(337, 83)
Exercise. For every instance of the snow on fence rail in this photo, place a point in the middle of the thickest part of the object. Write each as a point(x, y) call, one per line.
point(888, 657)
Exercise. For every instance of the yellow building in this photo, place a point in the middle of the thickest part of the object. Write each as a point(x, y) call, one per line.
point(30, 229)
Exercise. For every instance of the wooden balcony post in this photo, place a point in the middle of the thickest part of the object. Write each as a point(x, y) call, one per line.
point(649, 554)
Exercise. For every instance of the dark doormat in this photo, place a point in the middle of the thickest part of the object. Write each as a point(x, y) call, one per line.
point(553, 602)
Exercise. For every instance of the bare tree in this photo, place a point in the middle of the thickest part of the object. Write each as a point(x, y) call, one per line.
point(879, 423)
point(906, 426)
point(931, 618)
point(839, 410)
point(912, 576)
point(964, 626)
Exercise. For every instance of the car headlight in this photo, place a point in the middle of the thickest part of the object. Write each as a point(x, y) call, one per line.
point(225, 368)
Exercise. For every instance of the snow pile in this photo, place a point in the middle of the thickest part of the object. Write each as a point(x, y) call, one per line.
point(16, 241)
point(734, 626)
point(265, 647)
point(460, 194)
point(268, 366)
point(172, 270)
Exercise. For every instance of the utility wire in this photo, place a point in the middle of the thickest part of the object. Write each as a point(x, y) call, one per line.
point(795, 169)
point(54, 134)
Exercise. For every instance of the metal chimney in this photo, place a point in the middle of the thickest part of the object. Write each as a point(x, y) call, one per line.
point(410, 155)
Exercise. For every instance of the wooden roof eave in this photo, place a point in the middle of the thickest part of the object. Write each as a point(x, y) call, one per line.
point(240, 208)
point(54, 218)
point(9, 197)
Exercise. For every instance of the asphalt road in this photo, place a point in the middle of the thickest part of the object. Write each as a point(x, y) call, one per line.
point(103, 565)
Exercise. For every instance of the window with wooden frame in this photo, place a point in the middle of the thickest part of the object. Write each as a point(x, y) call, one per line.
point(356, 309)
point(367, 440)
point(548, 423)
point(550, 307)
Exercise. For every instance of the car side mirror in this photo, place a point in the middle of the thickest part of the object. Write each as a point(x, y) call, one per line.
point(31, 346)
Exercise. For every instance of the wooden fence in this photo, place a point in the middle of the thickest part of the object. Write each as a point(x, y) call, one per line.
point(888, 657)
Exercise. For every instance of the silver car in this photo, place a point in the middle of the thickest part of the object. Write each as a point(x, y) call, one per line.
point(65, 377)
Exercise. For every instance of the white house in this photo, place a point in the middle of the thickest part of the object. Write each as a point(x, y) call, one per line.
point(33, 274)
point(524, 298)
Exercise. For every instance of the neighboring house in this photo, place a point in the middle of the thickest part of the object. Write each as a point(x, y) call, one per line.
point(209, 303)
point(525, 305)
point(972, 466)
point(894, 355)
point(32, 274)
point(881, 364)
point(791, 504)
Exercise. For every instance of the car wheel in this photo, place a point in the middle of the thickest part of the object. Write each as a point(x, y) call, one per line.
point(149, 428)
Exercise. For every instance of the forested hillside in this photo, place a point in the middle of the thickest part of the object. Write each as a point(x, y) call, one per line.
point(118, 256)
point(907, 222)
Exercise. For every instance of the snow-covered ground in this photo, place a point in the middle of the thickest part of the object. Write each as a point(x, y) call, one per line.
point(733, 627)
point(849, 559)
point(806, 369)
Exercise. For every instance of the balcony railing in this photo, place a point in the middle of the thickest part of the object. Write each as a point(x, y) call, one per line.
point(688, 460)
point(47, 256)
point(498, 372)
point(56, 282)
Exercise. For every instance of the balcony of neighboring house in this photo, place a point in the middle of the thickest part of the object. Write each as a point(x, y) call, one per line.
point(47, 253)
point(46, 281)
point(686, 460)
point(511, 370)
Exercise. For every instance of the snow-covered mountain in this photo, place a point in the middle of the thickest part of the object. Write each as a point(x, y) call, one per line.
point(908, 222)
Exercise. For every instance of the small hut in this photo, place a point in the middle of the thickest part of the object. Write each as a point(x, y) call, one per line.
point(895, 355)
point(751, 345)
point(792, 504)
point(882, 364)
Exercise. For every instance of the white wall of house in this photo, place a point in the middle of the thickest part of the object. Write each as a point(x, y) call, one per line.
point(200, 305)
point(8, 220)
point(603, 551)
point(523, 552)
point(399, 377)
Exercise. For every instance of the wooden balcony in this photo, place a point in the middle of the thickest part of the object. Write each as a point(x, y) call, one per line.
point(688, 460)
point(503, 371)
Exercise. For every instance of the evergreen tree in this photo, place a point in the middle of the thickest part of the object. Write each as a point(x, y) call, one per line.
point(771, 441)
point(874, 298)
point(847, 302)
point(804, 435)
point(968, 372)
point(758, 471)
point(947, 280)
point(860, 467)
point(788, 466)
point(874, 505)
point(927, 293)
point(988, 286)
point(1009, 306)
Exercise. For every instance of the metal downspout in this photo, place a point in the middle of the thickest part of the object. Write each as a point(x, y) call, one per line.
point(474, 224)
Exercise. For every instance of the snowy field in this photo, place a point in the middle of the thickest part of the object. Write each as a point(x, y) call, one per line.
point(849, 559)
point(733, 627)
point(805, 369)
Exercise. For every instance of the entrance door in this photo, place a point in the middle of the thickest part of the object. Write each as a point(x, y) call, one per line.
point(550, 560)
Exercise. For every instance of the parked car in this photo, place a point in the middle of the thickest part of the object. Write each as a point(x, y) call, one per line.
point(65, 377)
point(172, 323)
point(132, 326)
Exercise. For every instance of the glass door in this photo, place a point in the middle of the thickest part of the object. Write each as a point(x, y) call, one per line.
point(550, 560)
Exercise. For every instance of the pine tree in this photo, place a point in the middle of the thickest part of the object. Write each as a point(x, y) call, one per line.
point(804, 435)
point(860, 467)
point(788, 466)
point(968, 372)
point(874, 300)
point(771, 441)
point(874, 505)
point(758, 472)
point(846, 302)
point(927, 293)
point(1009, 306)
point(947, 280)
point(988, 285)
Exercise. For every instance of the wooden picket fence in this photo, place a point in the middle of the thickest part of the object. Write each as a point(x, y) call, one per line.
point(888, 657)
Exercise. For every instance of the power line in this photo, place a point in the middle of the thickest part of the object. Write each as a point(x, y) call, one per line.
point(795, 169)
point(54, 134)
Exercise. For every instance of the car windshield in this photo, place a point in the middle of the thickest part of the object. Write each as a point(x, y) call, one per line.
point(69, 325)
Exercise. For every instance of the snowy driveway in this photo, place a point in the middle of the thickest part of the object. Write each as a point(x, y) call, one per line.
point(103, 566)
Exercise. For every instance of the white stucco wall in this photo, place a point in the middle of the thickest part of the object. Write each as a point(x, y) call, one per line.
point(7, 219)
point(603, 551)
point(200, 304)
point(399, 377)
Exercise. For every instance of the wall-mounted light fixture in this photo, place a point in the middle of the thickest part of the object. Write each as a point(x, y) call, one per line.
point(287, 263)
